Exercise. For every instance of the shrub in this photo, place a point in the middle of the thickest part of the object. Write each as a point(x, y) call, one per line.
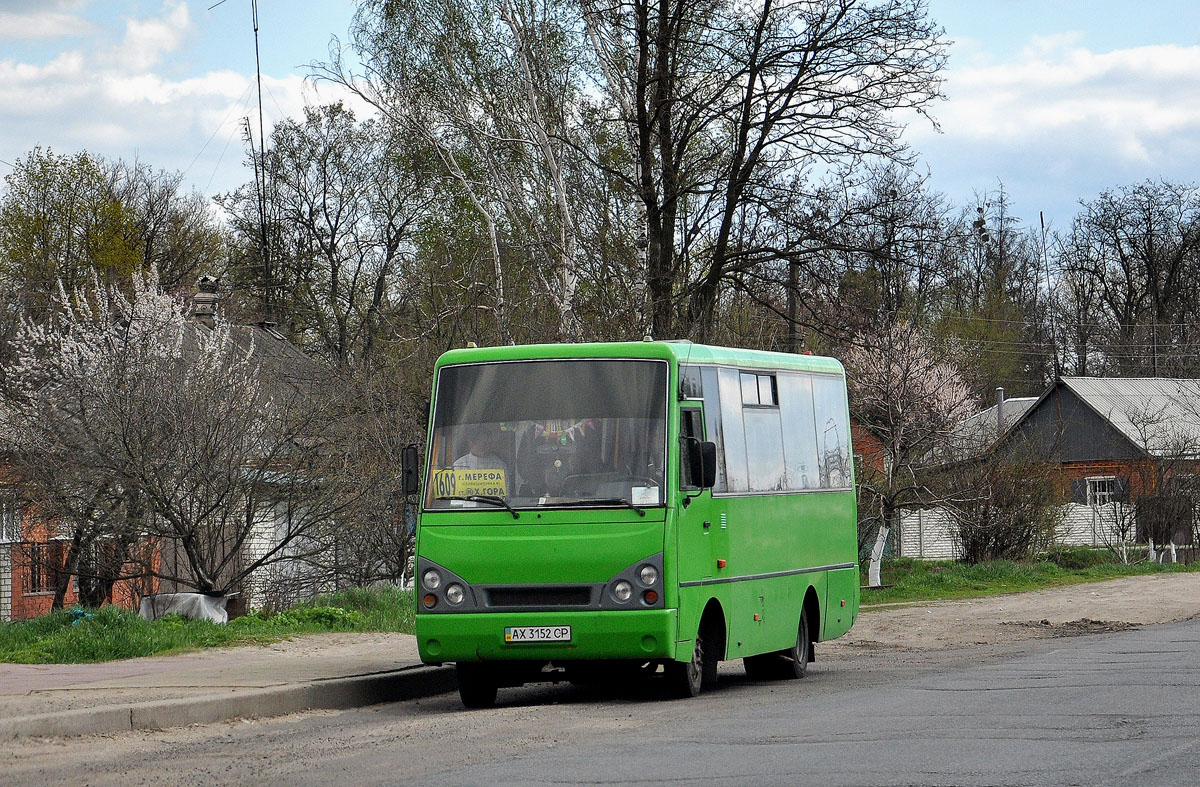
point(1078, 557)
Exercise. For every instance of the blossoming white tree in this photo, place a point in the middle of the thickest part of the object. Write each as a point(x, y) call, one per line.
point(906, 388)
point(123, 398)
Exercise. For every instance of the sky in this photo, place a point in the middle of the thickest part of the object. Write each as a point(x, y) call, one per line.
point(1057, 101)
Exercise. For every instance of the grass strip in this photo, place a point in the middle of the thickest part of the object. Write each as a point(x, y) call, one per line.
point(75, 636)
point(907, 580)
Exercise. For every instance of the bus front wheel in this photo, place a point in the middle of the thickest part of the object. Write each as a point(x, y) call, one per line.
point(477, 684)
point(689, 678)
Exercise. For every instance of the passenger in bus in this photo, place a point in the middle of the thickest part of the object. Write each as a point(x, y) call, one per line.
point(482, 453)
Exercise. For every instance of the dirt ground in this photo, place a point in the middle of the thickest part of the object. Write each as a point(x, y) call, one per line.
point(1000, 620)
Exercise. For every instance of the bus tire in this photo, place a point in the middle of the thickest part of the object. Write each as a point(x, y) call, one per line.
point(689, 678)
point(795, 663)
point(477, 684)
point(686, 678)
point(788, 664)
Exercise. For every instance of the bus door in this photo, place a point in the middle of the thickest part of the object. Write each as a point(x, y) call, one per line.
point(702, 536)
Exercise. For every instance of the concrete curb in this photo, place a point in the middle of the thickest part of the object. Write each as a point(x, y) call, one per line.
point(334, 694)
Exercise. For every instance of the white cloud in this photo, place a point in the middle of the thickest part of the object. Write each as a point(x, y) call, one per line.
point(1138, 99)
point(147, 40)
point(133, 99)
point(1058, 122)
point(42, 24)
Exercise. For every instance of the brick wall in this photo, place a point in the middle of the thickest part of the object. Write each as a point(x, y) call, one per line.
point(868, 446)
point(29, 571)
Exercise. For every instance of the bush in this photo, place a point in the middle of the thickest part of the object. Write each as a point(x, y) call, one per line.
point(1078, 557)
point(331, 618)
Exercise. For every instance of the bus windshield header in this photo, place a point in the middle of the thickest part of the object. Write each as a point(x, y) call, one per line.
point(549, 433)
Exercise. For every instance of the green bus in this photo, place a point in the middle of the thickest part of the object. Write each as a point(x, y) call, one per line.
point(622, 508)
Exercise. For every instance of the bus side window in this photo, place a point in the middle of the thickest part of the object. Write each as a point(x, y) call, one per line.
point(690, 426)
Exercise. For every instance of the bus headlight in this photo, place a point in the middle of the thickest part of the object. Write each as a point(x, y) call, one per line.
point(622, 591)
point(648, 575)
point(454, 594)
point(431, 579)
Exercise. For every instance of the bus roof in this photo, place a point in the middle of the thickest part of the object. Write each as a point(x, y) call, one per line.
point(681, 350)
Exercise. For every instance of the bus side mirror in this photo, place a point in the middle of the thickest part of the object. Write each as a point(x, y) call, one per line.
point(410, 467)
point(708, 465)
point(702, 462)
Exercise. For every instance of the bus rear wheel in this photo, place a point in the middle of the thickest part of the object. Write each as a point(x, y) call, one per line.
point(795, 663)
point(787, 664)
point(477, 684)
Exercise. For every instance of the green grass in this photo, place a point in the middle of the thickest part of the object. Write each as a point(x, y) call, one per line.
point(76, 637)
point(909, 580)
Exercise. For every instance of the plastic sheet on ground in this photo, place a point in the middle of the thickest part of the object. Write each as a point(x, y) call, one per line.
point(186, 605)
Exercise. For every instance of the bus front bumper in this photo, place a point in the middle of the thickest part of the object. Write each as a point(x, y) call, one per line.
point(602, 634)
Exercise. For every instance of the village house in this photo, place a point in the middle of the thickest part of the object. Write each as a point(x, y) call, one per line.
point(33, 552)
point(1124, 452)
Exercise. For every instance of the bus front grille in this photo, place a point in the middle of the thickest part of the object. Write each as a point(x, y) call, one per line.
point(577, 596)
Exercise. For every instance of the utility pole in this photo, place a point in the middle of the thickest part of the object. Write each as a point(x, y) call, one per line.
point(1049, 300)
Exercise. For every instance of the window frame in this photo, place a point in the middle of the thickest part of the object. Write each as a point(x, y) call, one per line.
point(1092, 493)
point(722, 437)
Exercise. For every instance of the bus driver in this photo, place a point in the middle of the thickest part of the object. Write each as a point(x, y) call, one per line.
point(481, 453)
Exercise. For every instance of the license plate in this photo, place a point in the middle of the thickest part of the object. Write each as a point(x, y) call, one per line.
point(537, 634)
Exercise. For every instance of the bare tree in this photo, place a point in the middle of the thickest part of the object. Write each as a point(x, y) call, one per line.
point(727, 105)
point(491, 90)
point(1158, 505)
point(1003, 504)
point(1138, 248)
point(345, 198)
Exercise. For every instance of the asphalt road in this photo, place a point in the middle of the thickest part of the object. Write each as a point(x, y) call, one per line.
point(1118, 709)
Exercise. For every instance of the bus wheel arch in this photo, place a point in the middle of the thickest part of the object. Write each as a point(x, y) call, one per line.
point(699, 673)
point(813, 608)
point(716, 630)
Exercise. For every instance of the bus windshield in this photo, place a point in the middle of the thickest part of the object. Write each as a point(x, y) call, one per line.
point(546, 433)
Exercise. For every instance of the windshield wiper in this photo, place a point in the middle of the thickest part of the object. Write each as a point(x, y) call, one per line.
point(495, 500)
point(602, 501)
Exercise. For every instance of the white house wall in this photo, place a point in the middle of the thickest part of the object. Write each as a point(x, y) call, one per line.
point(258, 543)
point(285, 581)
point(930, 533)
point(6, 582)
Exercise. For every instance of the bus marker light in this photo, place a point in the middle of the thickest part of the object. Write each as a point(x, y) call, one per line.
point(757, 616)
point(650, 597)
point(430, 600)
point(843, 602)
point(720, 563)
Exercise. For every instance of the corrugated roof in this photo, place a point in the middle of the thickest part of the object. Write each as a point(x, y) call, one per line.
point(976, 434)
point(1159, 415)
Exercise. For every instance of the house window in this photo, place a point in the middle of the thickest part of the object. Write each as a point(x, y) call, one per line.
point(10, 521)
point(1101, 490)
point(45, 563)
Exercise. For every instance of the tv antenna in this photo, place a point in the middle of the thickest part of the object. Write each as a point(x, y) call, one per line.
point(260, 179)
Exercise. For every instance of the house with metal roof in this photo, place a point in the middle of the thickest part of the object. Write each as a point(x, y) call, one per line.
point(975, 435)
point(1125, 453)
